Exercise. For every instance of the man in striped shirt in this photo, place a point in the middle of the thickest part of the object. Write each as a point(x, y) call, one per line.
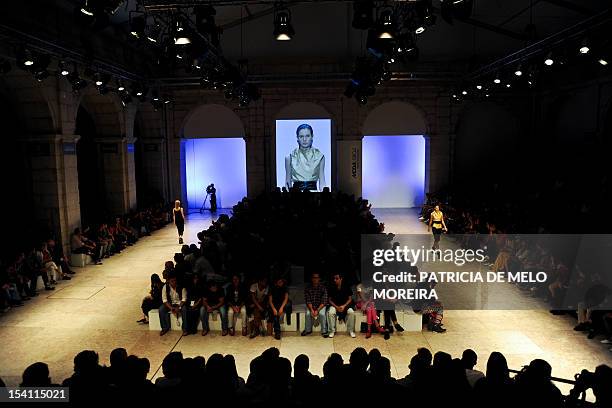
point(315, 296)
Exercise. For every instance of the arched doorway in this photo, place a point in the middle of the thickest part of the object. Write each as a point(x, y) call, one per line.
point(394, 156)
point(213, 150)
point(91, 184)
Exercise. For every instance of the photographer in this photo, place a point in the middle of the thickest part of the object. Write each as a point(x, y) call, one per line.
point(212, 191)
point(599, 381)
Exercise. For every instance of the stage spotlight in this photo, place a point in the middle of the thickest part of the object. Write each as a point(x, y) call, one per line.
point(25, 59)
point(87, 9)
point(497, 80)
point(479, 87)
point(62, 68)
point(5, 66)
point(420, 30)
point(41, 75)
point(363, 14)
point(486, 95)
point(154, 33)
point(166, 99)
point(137, 26)
point(508, 85)
point(464, 93)
point(283, 30)
point(385, 25)
point(120, 86)
point(584, 47)
point(519, 71)
point(549, 59)
point(205, 23)
point(182, 38)
point(459, 9)
point(603, 61)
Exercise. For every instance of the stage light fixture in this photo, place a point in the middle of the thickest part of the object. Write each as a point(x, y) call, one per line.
point(497, 80)
point(154, 32)
point(25, 59)
point(5, 66)
point(584, 47)
point(87, 9)
point(385, 23)
point(62, 68)
point(182, 39)
point(479, 87)
point(120, 86)
point(283, 30)
point(464, 92)
point(137, 26)
point(486, 95)
point(508, 85)
point(603, 61)
point(459, 9)
point(519, 71)
point(420, 30)
point(363, 14)
point(549, 59)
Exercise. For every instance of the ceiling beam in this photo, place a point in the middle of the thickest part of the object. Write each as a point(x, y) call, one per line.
point(572, 6)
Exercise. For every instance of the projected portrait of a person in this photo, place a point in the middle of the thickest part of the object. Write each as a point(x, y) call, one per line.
point(305, 166)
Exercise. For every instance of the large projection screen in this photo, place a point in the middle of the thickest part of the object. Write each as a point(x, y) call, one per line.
point(221, 161)
point(286, 143)
point(394, 171)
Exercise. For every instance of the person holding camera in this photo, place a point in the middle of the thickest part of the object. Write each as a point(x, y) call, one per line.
point(212, 191)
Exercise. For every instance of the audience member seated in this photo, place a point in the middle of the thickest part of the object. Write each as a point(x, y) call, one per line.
point(78, 245)
point(173, 300)
point(259, 304)
point(315, 296)
point(340, 306)
point(236, 297)
point(469, 360)
point(194, 307)
point(213, 301)
point(153, 300)
point(277, 303)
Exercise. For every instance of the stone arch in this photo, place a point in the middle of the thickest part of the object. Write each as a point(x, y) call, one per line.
point(211, 121)
point(396, 118)
point(33, 110)
point(107, 112)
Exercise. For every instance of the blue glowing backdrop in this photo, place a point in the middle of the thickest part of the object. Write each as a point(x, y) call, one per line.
point(394, 170)
point(221, 161)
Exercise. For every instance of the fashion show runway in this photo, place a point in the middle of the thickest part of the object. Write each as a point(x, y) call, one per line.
point(98, 310)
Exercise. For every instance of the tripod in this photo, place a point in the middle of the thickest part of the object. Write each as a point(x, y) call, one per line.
point(203, 203)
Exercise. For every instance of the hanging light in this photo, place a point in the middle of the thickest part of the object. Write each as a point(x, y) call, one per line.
point(86, 9)
point(518, 71)
point(549, 59)
point(584, 47)
point(385, 23)
point(283, 30)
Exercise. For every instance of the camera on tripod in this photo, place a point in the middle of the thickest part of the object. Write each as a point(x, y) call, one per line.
point(211, 193)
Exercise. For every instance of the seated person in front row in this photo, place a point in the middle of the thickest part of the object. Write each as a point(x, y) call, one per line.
point(236, 297)
point(173, 298)
point(259, 300)
point(315, 296)
point(340, 305)
point(277, 302)
point(214, 300)
point(193, 308)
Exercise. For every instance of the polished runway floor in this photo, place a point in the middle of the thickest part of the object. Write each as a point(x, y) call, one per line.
point(98, 310)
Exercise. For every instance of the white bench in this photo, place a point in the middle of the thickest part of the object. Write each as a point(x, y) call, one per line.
point(410, 321)
point(214, 322)
point(80, 260)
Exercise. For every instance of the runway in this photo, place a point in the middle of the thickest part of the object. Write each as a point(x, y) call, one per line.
point(98, 310)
